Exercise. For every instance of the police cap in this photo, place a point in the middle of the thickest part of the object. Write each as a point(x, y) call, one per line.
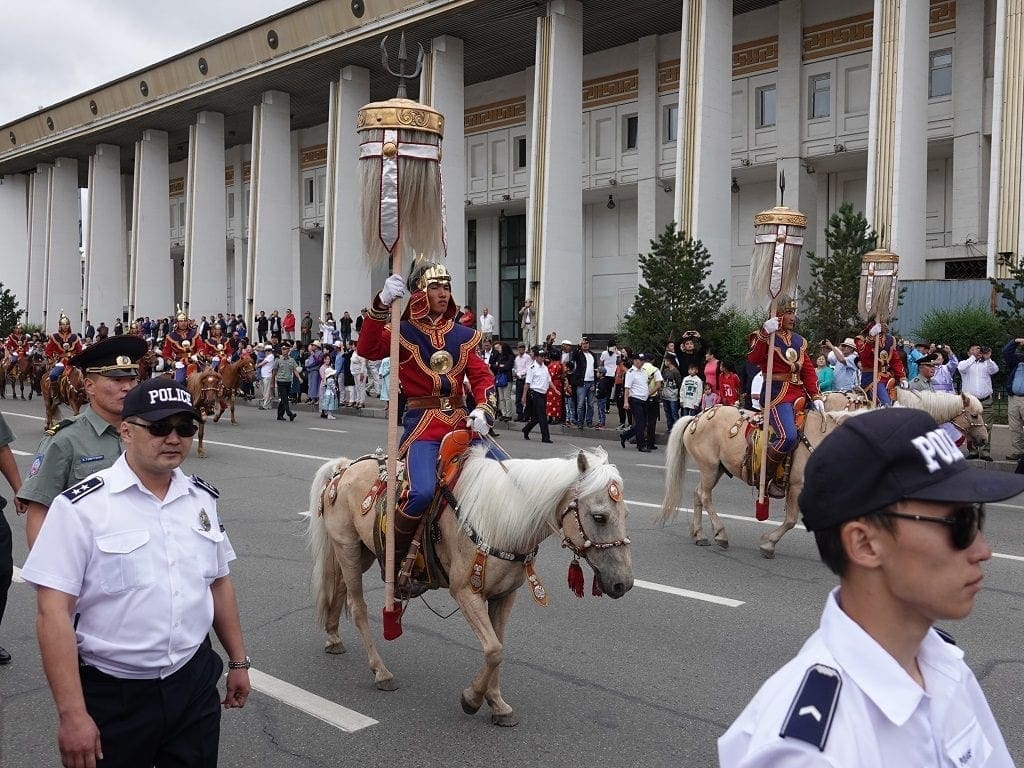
point(115, 357)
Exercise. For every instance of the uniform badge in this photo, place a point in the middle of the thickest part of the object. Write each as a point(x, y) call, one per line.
point(37, 462)
point(812, 711)
point(88, 459)
point(204, 520)
point(80, 490)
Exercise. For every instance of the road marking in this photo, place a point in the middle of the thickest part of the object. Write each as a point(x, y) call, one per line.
point(726, 601)
point(17, 576)
point(662, 466)
point(321, 429)
point(271, 450)
point(340, 717)
point(16, 452)
point(24, 415)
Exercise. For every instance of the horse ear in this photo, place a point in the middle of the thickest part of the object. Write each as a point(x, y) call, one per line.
point(581, 462)
point(967, 400)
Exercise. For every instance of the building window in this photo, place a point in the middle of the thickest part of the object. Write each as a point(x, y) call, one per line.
point(309, 182)
point(670, 122)
point(231, 205)
point(512, 277)
point(630, 128)
point(471, 244)
point(940, 73)
point(965, 269)
point(521, 159)
point(818, 96)
point(766, 107)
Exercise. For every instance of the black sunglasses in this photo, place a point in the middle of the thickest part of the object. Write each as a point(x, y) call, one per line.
point(164, 428)
point(964, 525)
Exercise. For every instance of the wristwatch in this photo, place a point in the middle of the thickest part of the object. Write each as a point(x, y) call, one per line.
point(246, 664)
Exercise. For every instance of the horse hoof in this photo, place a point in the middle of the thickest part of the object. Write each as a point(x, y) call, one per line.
point(216, 419)
point(767, 551)
point(722, 543)
point(701, 542)
point(334, 648)
point(387, 685)
point(468, 708)
point(507, 720)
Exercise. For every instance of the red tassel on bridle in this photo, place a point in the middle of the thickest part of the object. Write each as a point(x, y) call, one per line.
point(595, 588)
point(576, 577)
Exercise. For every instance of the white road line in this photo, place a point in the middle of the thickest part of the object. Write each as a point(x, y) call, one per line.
point(662, 466)
point(321, 429)
point(24, 415)
point(271, 450)
point(726, 601)
point(16, 452)
point(347, 720)
point(17, 576)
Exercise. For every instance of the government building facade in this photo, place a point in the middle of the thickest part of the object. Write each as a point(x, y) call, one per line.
point(224, 179)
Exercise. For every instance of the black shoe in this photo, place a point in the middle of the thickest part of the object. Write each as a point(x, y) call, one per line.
point(644, 450)
point(986, 458)
point(323, 415)
point(622, 441)
point(5, 657)
point(526, 433)
point(291, 417)
point(280, 418)
point(654, 447)
point(547, 441)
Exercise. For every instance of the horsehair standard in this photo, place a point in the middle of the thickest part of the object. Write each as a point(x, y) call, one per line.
point(492, 499)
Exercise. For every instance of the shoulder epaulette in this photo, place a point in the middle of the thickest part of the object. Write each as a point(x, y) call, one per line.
point(811, 713)
point(945, 635)
point(59, 426)
point(197, 480)
point(79, 491)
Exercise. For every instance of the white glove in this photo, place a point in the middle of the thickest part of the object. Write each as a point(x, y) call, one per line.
point(394, 288)
point(771, 325)
point(819, 405)
point(875, 329)
point(479, 422)
point(904, 384)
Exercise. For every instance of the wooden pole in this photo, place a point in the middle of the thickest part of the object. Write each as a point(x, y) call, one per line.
point(874, 375)
point(761, 505)
point(392, 615)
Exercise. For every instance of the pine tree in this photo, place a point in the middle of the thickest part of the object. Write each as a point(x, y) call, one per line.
point(828, 309)
point(674, 295)
point(1012, 317)
point(9, 312)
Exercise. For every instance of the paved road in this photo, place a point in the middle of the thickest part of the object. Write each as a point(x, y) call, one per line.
point(649, 680)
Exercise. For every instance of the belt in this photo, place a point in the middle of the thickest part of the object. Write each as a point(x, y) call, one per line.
point(440, 403)
point(792, 378)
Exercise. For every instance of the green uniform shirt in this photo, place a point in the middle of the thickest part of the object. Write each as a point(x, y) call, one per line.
point(6, 436)
point(284, 368)
point(921, 384)
point(72, 454)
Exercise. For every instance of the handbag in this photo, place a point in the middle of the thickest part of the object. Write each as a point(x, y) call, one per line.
point(501, 380)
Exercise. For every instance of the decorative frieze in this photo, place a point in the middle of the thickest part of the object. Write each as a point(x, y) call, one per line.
point(668, 76)
point(755, 56)
point(941, 16)
point(313, 157)
point(229, 175)
point(246, 171)
point(499, 114)
point(611, 89)
point(836, 37)
point(176, 188)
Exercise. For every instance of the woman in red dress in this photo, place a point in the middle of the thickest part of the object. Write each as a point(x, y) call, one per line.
point(554, 403)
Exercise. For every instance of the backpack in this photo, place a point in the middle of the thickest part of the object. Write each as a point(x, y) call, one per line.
point(1017, 381)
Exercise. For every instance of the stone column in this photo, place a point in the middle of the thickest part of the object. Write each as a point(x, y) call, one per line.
point(14, 256)
point(205, 275)
point(151, 271)
point(554, 214)
point(62, 286)
point(273, 240)
point(970, 179)
point(648, 186)
point(346, 282)
point(38, 193)
point(442, 87)
point(703, 200)
point(897, 131)
point(1006, 194)
point(105, 253)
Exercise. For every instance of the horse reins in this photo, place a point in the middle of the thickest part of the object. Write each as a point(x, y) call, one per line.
point(588, 543)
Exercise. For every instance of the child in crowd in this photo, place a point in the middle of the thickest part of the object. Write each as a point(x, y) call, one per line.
point(729, 385)
point(689, 394)
point(330, 398)
point(710, 398)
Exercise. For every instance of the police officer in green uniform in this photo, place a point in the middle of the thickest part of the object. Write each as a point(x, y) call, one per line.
point(925, 370)
point(74, 449)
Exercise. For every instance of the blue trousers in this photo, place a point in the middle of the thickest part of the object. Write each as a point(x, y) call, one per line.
point(783, 421)
point(56, 371)
point(421, 469)
point(585, 404)
point(883, 393)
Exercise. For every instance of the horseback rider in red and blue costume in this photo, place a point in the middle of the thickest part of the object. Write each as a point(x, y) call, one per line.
point(793, 377)
point(890, 364)
point(62, 345)
point(436, 356)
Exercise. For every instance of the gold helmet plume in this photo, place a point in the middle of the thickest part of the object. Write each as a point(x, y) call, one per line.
point(180, 315)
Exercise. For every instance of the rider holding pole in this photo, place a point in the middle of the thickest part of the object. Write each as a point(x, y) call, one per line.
point(61, 345)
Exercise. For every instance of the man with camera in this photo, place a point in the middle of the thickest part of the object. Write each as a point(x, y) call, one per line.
point(976, 379)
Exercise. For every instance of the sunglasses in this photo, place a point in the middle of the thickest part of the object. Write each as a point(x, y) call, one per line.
point(964, 524)
point(164, 428)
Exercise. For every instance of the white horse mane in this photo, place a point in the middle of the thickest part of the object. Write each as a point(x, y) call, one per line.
point(941, 406)
point(510, 510)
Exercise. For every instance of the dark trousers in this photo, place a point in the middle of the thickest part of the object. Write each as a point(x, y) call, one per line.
point(169, 723)
point(6, 560)
point(538, 415)
point(639, 429)
point(283, 406)
point(520, 383)
point(653, 412)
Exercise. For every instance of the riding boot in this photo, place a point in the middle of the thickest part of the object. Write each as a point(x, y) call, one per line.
point(405, 531)
point(778, 481)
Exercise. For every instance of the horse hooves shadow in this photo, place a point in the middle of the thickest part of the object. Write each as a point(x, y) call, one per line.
point(702, 542)
point(334, 648)
point(468, 708)
point(767, 551)
point(386, 685)
point(722, 543)
point(507, 720)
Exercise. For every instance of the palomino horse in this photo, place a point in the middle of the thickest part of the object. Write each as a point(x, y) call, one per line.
point(718, 448)
point(512, 506)
point(964, 412)
point(69, 388)
point(206, 389)
point(233, 374)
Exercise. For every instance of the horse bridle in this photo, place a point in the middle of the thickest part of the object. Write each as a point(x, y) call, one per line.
point(963, 430)
point(588, 543)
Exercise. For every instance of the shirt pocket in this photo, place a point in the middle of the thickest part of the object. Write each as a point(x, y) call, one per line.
point(969, 748)
point(206, 549)
point(123, 562)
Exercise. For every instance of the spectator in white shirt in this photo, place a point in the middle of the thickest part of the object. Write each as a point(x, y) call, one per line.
point(538, 381)
point(486, 324)
point(266, 377)
point(523, 361)
point(976, 379)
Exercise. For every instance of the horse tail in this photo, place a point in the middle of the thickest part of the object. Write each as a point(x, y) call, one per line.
point(675, 471)
point(326, 578)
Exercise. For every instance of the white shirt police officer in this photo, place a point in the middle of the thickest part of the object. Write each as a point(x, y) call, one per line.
point(877, 685)
point(137, 554)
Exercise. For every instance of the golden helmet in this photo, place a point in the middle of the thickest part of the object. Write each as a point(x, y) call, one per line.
point(64, 321)
point(431, 272)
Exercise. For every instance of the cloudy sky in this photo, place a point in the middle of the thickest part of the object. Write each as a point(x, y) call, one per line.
point(54, 49)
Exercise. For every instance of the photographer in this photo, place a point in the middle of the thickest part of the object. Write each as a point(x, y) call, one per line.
point(690, 351)
point(843, 360)
point(976, 379)
point(942, 381)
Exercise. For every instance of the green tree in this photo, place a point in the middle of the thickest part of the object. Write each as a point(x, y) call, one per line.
point(1011, 319)
point(828, 309)
point(9, 311)
point(674, 294)
point(730, 336)
point(961, 327)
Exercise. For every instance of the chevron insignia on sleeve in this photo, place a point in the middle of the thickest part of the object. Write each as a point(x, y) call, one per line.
point(197, 480)
point(79, 491)
point(810, 716)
